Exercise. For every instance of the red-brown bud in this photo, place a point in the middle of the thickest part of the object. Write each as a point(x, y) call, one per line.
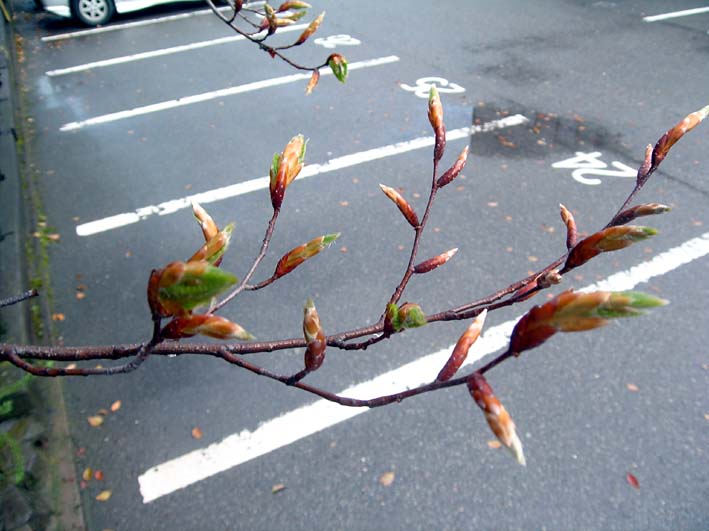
point(205, 324)
point(436, 261)
point(646, 209)
point(285, 167)
point(404, 207)
point(460, 351)
point(314, 78)
point(454, 170)
point(496, 415)
point(671, 137)
point(312, 28)
point(300, 254)
point(435, 117)
point(568, 218)
point(206, 223)
point(610, 239)
point(314, 337)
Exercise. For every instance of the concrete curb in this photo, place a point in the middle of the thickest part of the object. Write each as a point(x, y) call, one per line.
point(12, 267)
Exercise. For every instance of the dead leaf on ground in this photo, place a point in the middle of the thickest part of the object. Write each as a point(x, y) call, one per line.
point(278, 487)
point(197, 433)
point(87, 474)
point(344, 203)
point(386, 479)
point(632, 480)
point(632, 387)
point(103, 496)
point(83, 484)
point(58, 317)
point(103, 411)
point(706, 416)
point(98, 475)
point(95, 420)
point(116, 406)
point(532, 258)
point(494, 444)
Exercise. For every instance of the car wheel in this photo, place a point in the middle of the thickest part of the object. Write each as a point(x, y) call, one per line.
point(93, 12)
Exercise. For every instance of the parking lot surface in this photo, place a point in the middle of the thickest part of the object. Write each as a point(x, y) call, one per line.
point(557, 100)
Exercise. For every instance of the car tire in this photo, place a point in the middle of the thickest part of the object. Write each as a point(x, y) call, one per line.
point(93, 12)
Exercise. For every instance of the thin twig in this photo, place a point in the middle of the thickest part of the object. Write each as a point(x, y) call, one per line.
point(18, 298)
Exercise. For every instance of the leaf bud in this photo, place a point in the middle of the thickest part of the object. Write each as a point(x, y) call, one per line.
point(206, 324)
point(460, 351)
point(568, 218)
point(436, 261)
point(338, 65)
point(609, 239)
point(404, 207)
point(206, 223)
point(314, 78)
point(496, 415)
point(646, 209)
point(314, 337)
point(300, 254)
point(312, 28)
point(454, 170)
point(285, 167)
point(435, 117)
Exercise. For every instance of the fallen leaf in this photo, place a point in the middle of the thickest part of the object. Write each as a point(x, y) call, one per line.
point(103, 496)
point(508, 218)
point(54, 237)
point(494, 444)
point(83, 484)
point(95, 421)
point(71, 366)
point(197, 433)
point(493, 204)
point(632, 387)
point(386, 479)
point(706, 416)
point(116, 406)
point(58, 317)
point(87, 474)
point(98, 475)
point(103, 411)
point(80, 295)
point(278, 487)
point(532, 258)
point(344, 203)
point(632, 480)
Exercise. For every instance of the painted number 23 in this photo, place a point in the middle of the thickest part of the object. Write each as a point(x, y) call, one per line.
point(585, 164)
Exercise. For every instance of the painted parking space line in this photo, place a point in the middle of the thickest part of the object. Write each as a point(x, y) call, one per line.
point(161, 52)
point(677, 14)
point(311, 170)
point(292, 426)
point(136, 24)
point(207, 96)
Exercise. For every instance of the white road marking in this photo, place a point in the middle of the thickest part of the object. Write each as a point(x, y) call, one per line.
point(159, 53)
point(207, 96)
point(290, 427)
point(676, 14)
point(136, 24)
point(218, 194)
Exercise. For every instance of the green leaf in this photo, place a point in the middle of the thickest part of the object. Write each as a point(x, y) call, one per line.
point(197, 287)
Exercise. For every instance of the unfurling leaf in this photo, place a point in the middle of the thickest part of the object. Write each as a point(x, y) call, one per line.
point(300, 254)
point(206, 223)
point(183, 286)
point(286, 167)
point(576, 312)
point(214, 249)
point(496, 415)
point(408, 315)
point(338, 65)
point(671, 137)
point(205, 324)
point(610, 239)
point(454, 170)
point(314, 337)
point(568, 218)
point(436, 261)
point(312, 28)
point(404, 207)
point(435, 117)
point(646, 209)
point(460, 351)
point(314, 78)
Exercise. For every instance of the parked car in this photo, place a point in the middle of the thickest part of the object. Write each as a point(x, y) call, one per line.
point(97, 12)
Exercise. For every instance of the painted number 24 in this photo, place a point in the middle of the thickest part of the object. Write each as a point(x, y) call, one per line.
point(585, 164)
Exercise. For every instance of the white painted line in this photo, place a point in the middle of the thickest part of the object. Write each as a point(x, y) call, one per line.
point(159, 53)
point(136, 24)
point(290, 427)
point(311, 170)
point(207, 96)
point(676, 14)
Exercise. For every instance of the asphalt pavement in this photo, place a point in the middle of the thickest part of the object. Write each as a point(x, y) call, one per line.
point(127, 125)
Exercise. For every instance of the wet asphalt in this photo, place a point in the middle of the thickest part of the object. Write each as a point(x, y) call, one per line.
point(590, 77)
